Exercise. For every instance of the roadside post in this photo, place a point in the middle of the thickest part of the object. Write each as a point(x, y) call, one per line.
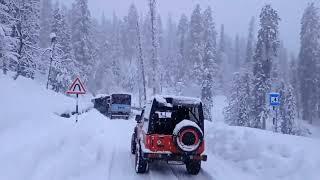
point(77, 88)
point(274, 102)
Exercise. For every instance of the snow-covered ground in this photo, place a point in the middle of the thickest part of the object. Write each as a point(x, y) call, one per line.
point(37, 144)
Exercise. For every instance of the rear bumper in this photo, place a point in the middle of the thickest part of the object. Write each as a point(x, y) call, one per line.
point(174, 157)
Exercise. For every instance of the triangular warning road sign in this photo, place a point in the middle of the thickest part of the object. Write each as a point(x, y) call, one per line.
point(76, 87)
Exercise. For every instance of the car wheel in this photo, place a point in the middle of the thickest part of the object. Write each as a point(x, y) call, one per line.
point(193, 167)
point(141, 165)
point(133, 143)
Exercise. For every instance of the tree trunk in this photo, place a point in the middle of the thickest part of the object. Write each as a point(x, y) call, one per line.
point(152, 4)
point(141, 64)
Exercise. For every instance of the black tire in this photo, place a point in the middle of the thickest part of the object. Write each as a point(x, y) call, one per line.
point(141, 165)
point(133, 143)
point(193, 167)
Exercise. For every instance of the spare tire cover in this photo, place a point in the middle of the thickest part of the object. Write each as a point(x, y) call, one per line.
point(188, 136)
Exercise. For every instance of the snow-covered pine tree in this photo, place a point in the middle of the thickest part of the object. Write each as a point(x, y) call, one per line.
point(250, 44)
point(133, 19)
point(26, 32)
point(221, 58)
point(283, 62)
point(81, 37)
point(237, 113)
point(182, 33)
point(45, 23)
point(237, 58)
point(7, 43)
point(308, 58)
point(115, 50)
point(64, 69)
point(265, 52)
point(293, 80)
point(209, 67)
point(287, 110)
point(170, 60)
point(131, 51)
point(182, 48)
point(195, 45)
point(62, 29)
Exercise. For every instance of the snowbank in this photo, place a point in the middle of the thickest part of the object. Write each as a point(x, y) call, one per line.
point(247, 153)
point(37, 144)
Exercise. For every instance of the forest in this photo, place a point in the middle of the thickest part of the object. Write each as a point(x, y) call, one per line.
point(144, 54)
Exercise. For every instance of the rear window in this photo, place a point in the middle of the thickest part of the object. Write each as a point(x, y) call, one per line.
point(121, 99)
point(164, 119)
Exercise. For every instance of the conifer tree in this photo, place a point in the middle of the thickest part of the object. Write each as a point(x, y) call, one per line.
point(26, 32)
point(237, 113)
point(195, 45)
point(82, 37)
point(209, 67)
point(45, 23)
point(250, 43)
point(308, 60)
point(287, 109)
point(265, 53)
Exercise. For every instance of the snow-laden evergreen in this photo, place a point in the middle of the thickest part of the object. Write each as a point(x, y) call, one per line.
point(308, 61)
point(64, 65)
point(287, 112)
point(45, 23)
point(81, 37)
point(182, 52)
point(237, 113)
point(265, 53)
point(208, 65)
point(250, 43)
point(25, 31)
point(7, 42)
point(195, 49)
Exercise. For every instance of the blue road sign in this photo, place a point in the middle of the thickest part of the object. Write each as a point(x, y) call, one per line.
point(274, 99)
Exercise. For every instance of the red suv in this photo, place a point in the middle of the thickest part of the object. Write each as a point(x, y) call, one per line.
point(170, 129)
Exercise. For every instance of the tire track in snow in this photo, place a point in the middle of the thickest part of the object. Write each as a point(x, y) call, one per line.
point(160, 171)
point(111, 163)
point(181, 173)
point(122, 166)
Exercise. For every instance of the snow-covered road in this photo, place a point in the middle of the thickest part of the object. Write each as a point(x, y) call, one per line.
point(120, 163)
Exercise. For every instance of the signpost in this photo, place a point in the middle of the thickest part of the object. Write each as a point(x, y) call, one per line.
point(274, 101)
point(77, 88)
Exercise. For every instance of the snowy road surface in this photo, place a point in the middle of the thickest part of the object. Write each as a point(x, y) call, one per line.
point(36, 144)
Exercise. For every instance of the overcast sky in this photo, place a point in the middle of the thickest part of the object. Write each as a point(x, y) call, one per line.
point(235, 14)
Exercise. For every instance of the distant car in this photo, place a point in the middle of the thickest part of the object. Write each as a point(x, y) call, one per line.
point(119, 106)
point(101, 103)
point(170, 129)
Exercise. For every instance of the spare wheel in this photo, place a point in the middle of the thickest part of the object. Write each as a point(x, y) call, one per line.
point(187, 136)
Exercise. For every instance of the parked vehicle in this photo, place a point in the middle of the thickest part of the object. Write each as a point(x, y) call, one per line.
point(170, 129)
point(101, 103)
point(119, 106)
